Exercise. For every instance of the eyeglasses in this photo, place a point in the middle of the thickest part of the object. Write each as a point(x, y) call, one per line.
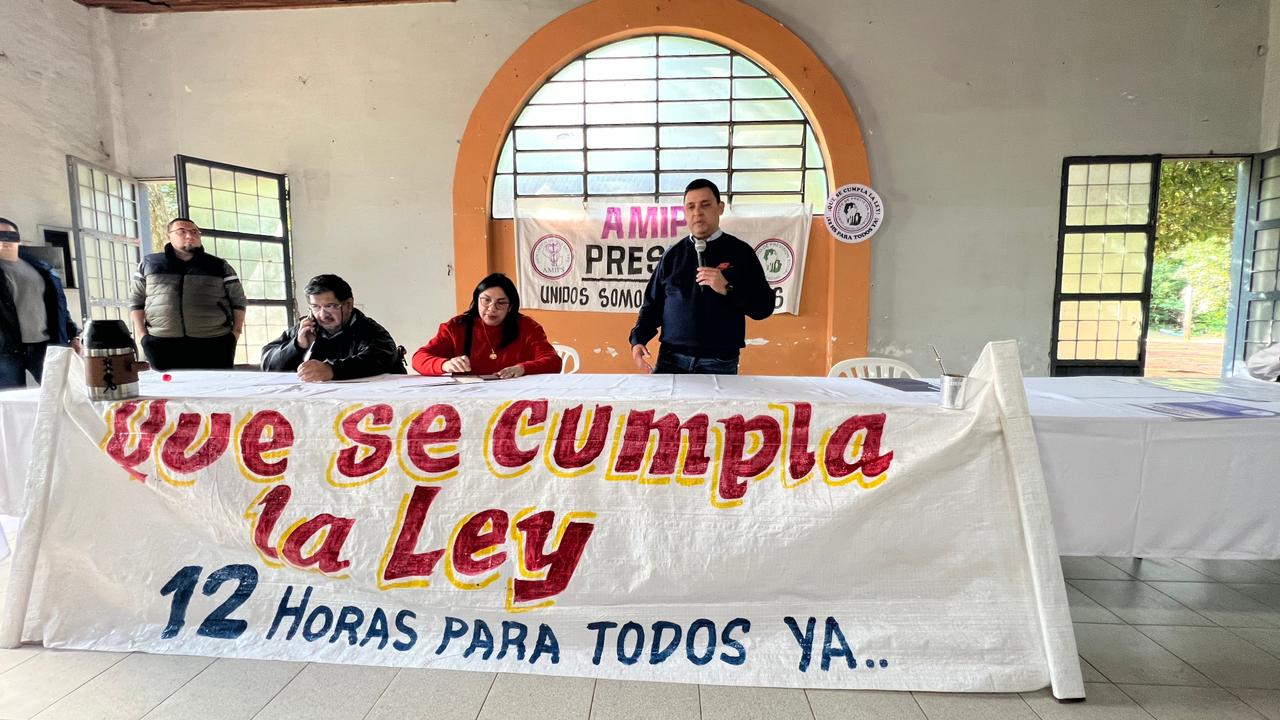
point(502, 304)
point(328, 307)
point(185, 231)
point(10, 236)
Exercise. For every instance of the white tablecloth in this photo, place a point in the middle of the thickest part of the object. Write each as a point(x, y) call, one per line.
point(1124, 477)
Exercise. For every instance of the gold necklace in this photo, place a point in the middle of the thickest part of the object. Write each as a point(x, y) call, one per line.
point(493, 352)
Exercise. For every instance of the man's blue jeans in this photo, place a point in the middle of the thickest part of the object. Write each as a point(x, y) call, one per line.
point(675, 363)
point(15, 365)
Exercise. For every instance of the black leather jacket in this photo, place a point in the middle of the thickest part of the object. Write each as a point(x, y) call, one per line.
point(362, 349)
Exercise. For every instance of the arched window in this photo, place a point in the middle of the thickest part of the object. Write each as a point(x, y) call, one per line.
point(641, 117)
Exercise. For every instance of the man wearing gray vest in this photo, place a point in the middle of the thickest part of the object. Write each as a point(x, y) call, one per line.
point(187, 306)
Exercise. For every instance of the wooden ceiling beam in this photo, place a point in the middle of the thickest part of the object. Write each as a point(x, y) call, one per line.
point(167, 6)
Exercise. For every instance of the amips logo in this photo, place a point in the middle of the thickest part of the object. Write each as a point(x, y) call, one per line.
point(854, 213)
point(777, 258)
point(552, 257)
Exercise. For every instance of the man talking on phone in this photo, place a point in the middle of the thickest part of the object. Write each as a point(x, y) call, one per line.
point(700, 294)
point(335, 341)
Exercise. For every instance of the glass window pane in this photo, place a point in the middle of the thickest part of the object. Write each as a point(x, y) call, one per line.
point(676, 182)
point(767, 158)
point(246, 203)
point(767, 181)
point(274, 253)
point(198, 175)
point(249, 224)
point(269, 207)
point(622, 113)
point(743, 67)
point(504, 196)
point(676, 112)
point(1268, 209)
point(548, 139)
point(675, 45)
point(764, 198)
point(694, 90)
point(199, 197)
point(1264, 260)
point(558, 92)
point(694, 136)
point(550, 115)
point(224, 200)
point(246, 183)
point(745, 110)
point(549, 185)
point(759, 88)
point(622, 91)
point(815, 189)
point(572, 71)
point(222, 179)
point(224, 221)
point(268, 187)
point(1270, 188)
point(812, 150)
point(693, 67)
point(709, 159)
point(84, 175)
point(202, 217)
point(790, 134)
point(544, 162)
point(620, 184)
point(633, 47)
point(606, 160)
point(621, 68)
point(621, 137)
point(506, 159)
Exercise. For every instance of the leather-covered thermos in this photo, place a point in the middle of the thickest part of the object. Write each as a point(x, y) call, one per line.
point(111, 366)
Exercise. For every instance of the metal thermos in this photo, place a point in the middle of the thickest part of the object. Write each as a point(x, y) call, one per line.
point(111, 367)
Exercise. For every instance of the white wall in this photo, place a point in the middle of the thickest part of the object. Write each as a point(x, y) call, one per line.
point(362, 107)
point(56, 99)
point(1270, 131)
point(967, 110)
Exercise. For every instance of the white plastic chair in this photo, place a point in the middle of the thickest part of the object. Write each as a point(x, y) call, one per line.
point(870, 367)
point(569, 361)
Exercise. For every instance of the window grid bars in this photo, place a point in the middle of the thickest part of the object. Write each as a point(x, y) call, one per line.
point(658, 147)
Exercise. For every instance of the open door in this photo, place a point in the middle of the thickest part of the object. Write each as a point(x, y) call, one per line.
point(244, 214)
point(1254, 317)
point(1106, 237)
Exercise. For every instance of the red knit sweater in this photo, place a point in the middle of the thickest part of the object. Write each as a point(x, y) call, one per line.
point(530, 349)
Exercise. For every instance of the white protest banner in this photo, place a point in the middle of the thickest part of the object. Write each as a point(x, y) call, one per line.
point(752, 532)
point(599, 257)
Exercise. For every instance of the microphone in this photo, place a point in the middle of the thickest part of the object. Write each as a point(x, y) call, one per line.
point(700, 246)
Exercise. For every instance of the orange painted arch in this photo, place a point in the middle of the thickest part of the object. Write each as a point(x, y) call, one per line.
point(832, 324)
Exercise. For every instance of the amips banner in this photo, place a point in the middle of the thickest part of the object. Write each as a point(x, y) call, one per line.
point(754, 531)
point(599, 256)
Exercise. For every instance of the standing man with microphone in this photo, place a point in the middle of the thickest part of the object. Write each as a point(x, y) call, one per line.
point(700, 294)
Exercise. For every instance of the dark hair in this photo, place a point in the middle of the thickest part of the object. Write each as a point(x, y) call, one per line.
point(328, 283)
point(14, 225)
point(169, 227)
point(510, 324)
point(700, 183)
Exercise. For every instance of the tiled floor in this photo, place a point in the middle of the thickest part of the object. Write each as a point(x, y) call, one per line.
point(1158, 639)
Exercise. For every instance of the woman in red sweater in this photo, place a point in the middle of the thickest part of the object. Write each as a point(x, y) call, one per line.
point(490, 338)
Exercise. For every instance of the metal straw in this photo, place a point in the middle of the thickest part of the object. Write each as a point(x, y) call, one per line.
point(938, 357)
